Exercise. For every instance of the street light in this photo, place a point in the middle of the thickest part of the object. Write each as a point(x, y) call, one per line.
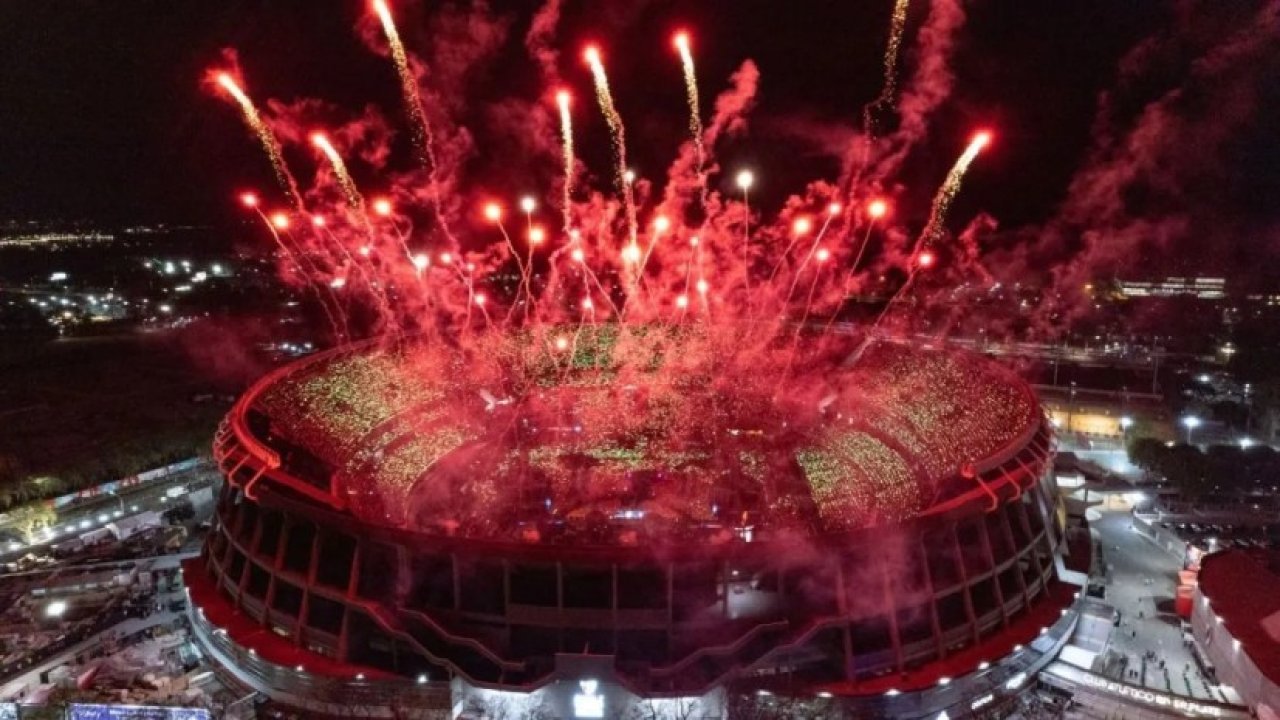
point(1126, 422)
point(55, 609)
point(1191, 422)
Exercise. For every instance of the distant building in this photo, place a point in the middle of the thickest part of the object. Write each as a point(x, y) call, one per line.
point(1201, 288)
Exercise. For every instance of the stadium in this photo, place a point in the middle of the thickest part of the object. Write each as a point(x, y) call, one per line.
point(579, 537)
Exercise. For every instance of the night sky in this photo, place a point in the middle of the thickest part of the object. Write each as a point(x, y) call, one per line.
point(103, 115)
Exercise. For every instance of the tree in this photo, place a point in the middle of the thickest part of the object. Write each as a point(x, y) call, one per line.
point(31, 518)
point(1146, 453)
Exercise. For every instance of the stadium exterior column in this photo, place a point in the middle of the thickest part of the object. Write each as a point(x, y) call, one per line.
point(934, 621)
point(964, 580)
point(457, 581)
point(1008, 536)
point(313, 566)
point(353, 578)
point(560, 605)
point(891, 605)
point(995, 577)
point(842, 599)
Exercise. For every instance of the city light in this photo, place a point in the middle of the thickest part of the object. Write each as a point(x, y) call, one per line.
point(1190, 422)
point(55, 609)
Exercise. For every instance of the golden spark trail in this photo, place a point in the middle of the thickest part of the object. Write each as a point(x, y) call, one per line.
point(339, 170)
point(566, 140)
point(691, 94)
point(897, 26)
point(949, 188)
point(408, 85)
point(264, 135)
point(617, 137)
point(422, 139)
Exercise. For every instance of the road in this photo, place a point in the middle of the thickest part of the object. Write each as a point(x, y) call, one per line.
point(1141, 581)
point(82, 518)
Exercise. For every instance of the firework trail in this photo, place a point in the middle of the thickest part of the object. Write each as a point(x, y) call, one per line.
point(922, 256)
point(950, 186)
point(566, 141)
point(268, 139)
point(423, 139)
point(321, 141)
point(617, 137)
point(408, 85)
point(691, 95)
point(897, 26)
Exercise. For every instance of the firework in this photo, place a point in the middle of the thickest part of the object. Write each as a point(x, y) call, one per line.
point(421, 130)
point(260, 130)
point(617, 135)
point(691, 95)
point(321, 141)
point(566, 145)
point(897, 26)
point(947, 192)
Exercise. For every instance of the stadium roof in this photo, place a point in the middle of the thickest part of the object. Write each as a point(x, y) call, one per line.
point(1244, 592)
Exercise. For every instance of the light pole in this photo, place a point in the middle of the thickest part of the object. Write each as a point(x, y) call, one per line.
point(1191, 422)
point(1126, 422)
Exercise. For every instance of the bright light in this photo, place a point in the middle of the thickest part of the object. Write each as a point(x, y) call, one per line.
point(537, 235)
point(577, 255)
point(382, 206)
point(57, 276)
point(661, 223)
point(1016, 681)
point(562, 343)
point(481, 299)
point(249, 200)
point(55, 609)
point(422, 679)
point(746, 179)
point(588, 305)
point(926, 259)
point(1126, 422)
point(822, 255)
point(1246, 443)
point(591, 54)
point(318, 221)
point(834, 209)
point(563, 97)
point(631, 253)
point(682, 301)
point(629, 176)
point(337, 282)
point(703, 287)
point(681, 41)
point(587, 704)
point(877, 209)
point(1191, 422)
point(280, 221)
point(163, 309)
point(492, 212)
point(528, 204)
point(421, 261)
point(801, 226)
point(365, 250)
point(981, 139)
point(446, 258)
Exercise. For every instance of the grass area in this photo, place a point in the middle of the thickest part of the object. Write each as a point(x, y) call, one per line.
point(77, 411)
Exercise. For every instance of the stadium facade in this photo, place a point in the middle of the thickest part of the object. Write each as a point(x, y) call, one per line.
point(332, 580)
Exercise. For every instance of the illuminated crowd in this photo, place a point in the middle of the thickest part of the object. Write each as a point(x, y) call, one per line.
point(403, 452)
